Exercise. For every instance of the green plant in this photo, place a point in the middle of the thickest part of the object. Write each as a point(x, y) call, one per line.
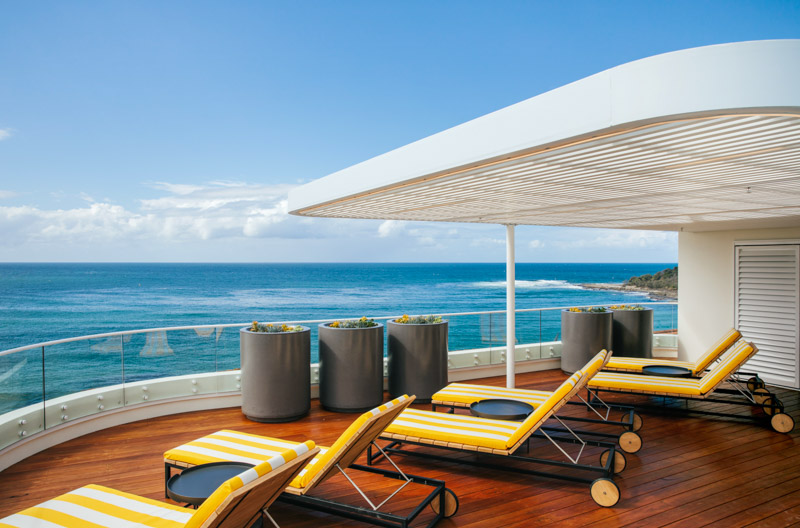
point(354, 323)
point(627, 307)
point(419, 319)
point(591, 309)
point(270, 328)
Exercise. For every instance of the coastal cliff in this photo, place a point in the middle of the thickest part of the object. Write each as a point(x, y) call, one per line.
point(659, 286)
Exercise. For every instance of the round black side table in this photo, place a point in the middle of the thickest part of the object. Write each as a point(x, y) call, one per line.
point(501, 409)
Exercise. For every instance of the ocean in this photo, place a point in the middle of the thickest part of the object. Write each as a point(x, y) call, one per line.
point(44, 302)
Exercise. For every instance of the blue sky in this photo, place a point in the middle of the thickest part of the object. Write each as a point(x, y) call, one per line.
point(172, 131)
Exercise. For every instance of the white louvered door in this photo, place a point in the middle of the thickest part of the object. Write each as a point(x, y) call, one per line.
point(768, 310)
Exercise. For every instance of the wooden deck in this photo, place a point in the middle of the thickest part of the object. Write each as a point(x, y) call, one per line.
point(690, 472)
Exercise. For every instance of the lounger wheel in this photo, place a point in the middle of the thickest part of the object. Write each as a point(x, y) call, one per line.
point(605, 492)
point(755, 383)
point(619, 461)
point(636, 423)
point(450, 503)
point(759, 395)
point(782, 422)
point(772, 405)
point(630, 442)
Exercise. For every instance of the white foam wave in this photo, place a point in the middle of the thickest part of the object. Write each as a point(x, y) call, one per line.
point(541, 284)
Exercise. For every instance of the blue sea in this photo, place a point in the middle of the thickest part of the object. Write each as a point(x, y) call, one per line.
point(44, 302)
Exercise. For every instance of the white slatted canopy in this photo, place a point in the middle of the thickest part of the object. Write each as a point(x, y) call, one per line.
point(700, 139)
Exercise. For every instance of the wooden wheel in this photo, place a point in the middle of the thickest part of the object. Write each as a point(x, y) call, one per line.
point(619, 460)
point(781, 422)
point(755, 383)
point(450, 503)
point(630, 442)
point(605, 492)
point(637, 423)
point(772, 406)
point(759, 395)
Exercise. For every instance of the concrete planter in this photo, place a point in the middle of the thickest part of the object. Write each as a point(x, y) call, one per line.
point(276, 377)
point(633, 333)
point(350, 368)
point(583, 334)
point(417, 359)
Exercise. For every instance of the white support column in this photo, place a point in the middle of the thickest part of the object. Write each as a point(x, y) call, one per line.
point(511, 322)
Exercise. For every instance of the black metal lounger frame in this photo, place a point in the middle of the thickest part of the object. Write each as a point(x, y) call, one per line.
point(752, 393)
point(612, 460)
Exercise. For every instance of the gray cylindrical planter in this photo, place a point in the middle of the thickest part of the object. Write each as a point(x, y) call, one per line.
point(417, 359)
point(276, 377)
point(633, 333)
point(350, 368)
point(583, 335)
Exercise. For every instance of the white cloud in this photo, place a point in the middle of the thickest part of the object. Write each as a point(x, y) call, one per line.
point(620, 239)
point(5, 133)
point(390, 228)
point(7, 194)
point(535, 244)
point(488, 241)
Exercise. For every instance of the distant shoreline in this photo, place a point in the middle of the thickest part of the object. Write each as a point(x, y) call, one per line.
point(655, 294)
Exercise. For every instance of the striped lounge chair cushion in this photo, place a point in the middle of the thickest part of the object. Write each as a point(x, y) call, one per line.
point(472, 432)
point(96, 506)
point(710, 355)
point(636, 364)
point(458, 429)
point(467, 394)
point(640, 382)
point(234, 446)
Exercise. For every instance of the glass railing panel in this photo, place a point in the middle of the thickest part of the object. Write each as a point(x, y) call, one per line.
point(226, 341)
point(152, 356)
point(529, 331)
point(21, 396)
point(82, 378)
point(551, 334)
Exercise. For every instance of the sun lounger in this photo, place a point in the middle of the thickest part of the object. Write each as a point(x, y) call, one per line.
point(493, 440)
point(463, 395)
point(702, 388)
point(235, 446)
point(238, 502)
point(626, 364)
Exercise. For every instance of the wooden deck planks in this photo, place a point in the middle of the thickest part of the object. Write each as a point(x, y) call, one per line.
point(690, 471)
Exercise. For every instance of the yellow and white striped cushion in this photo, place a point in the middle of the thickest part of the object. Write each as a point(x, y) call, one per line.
point(97, 506)
point(475, 431)
point(454, 428)
point(640, 382)
point(467, 394)
point(234, 446)
point(710, 355)
point(730, 361)
point(636, 364)
point(247, 476)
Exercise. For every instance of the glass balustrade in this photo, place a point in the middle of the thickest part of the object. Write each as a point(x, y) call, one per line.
point(45, 385)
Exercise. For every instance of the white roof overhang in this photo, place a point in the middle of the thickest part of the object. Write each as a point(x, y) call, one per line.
point(700, 139)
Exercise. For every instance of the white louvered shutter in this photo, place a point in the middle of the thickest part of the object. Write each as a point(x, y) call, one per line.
point(767, 311)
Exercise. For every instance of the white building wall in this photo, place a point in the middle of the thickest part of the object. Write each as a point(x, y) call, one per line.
point(706, 284)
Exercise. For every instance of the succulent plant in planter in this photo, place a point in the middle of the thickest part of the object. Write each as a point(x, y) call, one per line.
point(354, 323)
point(276, 377)
point(351, 365)
point(590, 309)
point(627, 307)
point(417, 356)
point(274, 328)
